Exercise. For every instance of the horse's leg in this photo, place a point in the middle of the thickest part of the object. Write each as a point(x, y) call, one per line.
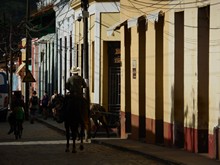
point(74, 146)
point(86, 130)
point(82, 128)
point(67, 137)
point(74, 130)
point(78, 134)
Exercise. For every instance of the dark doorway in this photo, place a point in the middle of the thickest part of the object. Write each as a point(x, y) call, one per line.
point(114, 80)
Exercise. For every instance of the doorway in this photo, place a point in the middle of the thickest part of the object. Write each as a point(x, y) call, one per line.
point(114, 81)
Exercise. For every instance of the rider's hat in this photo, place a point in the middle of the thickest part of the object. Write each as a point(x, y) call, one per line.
point(74, 70)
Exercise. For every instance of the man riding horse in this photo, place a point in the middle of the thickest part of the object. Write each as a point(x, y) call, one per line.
point(74, 115)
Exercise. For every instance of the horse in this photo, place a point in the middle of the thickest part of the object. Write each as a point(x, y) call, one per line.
point(99, 117)
point(74, 115)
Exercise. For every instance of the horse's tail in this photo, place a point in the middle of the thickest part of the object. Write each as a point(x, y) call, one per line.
point(85, 112)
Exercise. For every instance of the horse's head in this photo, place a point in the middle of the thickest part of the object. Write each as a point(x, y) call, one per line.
point(97, 113)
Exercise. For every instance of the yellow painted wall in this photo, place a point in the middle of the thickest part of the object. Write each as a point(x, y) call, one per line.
point(169, 67)
point(79, 38)
point(190, 58)
point(91, 28)
point(134, 81)
point(150, 72)
point(214, 63)
point(144, 7)
point(194, 115)
point(123, 107)
point(108, 20)
point(190, 68)
point(23, 55)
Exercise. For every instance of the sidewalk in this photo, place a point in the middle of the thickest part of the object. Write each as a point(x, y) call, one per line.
point(164, 154)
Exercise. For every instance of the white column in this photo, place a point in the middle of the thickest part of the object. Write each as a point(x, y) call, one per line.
point(97, 58)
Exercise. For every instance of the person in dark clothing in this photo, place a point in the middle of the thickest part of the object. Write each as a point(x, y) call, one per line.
point(53, 101)
point(76, 83)
point(34, 106)
point(45, 101)
point(17, 110)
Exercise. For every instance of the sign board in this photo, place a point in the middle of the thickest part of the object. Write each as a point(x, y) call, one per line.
point(28, 77)
point(134, 68)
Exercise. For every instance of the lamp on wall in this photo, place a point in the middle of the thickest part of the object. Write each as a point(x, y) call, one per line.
point(79, 18)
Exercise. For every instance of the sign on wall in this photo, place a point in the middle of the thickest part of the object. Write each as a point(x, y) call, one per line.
point(134, 68)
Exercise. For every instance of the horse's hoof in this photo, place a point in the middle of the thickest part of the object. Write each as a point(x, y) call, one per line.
point(67, 150)
point(81, 147)
point(74, 151)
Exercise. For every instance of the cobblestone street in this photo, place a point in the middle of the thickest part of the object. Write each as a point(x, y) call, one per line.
point(42, 145)
point(54, 154)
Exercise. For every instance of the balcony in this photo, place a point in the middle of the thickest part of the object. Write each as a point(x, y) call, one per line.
point(44, 3)
point(42, 21)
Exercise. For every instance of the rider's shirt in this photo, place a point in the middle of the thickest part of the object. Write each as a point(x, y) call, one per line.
point(75, 84)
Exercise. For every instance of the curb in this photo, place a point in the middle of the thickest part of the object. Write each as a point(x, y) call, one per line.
point(61, 131)
point(122, 148)
point(149, 156)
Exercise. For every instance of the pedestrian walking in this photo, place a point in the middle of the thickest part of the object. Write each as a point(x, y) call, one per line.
point(45, 102)
point(53, 103)
point(34, 106)
point(17, 111)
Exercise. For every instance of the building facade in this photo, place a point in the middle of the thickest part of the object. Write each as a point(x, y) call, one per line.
point(104, 68)
point(170, 74)
point(155, 63)
point(60, 50)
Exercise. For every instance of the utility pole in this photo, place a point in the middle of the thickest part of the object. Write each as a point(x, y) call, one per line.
point(27, 56)
point(11, 66)
point(85, 14)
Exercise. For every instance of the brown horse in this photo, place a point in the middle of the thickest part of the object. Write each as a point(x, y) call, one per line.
point(74, 115)
point(105, 119)
point(99, 116)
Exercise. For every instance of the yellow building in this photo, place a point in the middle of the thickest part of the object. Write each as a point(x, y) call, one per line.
point(103, 50)
point(21, 69)
point(170, 72)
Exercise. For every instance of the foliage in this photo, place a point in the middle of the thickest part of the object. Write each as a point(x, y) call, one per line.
point(12, 15)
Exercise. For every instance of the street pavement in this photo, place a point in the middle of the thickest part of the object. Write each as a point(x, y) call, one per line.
point(156, 152)
point(41, 145)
